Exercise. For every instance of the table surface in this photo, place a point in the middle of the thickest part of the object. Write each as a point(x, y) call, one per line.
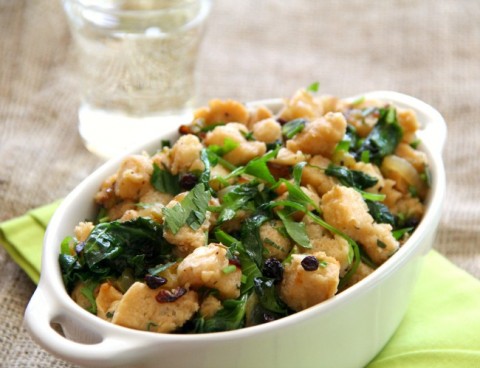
point(251, 50)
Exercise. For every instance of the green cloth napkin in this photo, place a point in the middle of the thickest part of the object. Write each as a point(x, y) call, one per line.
point(441, 328)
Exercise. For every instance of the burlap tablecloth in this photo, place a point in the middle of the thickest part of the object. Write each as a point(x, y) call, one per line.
point(252, 49)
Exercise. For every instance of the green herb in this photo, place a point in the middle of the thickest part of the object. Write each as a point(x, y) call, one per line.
point(88, 291)
point(384, 137)
point(150, 325)
point(250, 235)
point(413, 191)
point(228, 146)
point(102, 215)
point(313, 88)
point(322, 264)
point(381, 244)
point(164, 181)
point(399, 233)
point(229, 269)
point(293, 127)
point(380, 213)
point(296, 230)
point(358, 101)
point(165, 143)
point(109, 314)
point(378, 197)
point(342, 146)
point(297, 172)
point(258, 166)
point(230, 317)
point(160, 268)
point(191, 211)
point(236, 198)
point(351, 178)
point(267, 295)
point(365, 157)
point(414, 144)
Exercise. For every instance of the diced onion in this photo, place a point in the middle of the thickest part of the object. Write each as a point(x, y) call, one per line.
point(402, 171)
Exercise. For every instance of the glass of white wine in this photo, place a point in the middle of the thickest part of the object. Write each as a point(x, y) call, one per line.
point(136, 66)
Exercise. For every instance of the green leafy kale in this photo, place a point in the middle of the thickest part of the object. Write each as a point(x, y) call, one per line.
point(384, 137)
point(380, 213)
point(351, 178)
point(267, 296)
point(114, 246)
point(164, 181)
point(230, 317)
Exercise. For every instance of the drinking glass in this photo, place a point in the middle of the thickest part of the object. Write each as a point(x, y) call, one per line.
point(136, 62)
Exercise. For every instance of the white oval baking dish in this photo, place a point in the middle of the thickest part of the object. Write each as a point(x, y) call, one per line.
point(344, 332)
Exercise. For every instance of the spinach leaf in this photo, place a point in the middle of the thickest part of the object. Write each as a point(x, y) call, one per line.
point(293, 127)
point(164, 181)
point(380, 213)
point(267, 295)
point(191, 211)
point(115, 246)
point(351, 178)
point(230, 317)
point(383, 138)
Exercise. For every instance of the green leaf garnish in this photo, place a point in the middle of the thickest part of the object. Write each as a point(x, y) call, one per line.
point(384, 137)
point(164, 181)
point(313, 87)
point(293, 127)
point(351, 178)
point(296, 230)
point(191, 211)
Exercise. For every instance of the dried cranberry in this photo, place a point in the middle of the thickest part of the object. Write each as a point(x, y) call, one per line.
point(279, 171)
point(184, 129)
point(273, 268)
point(169, 296)
point(310, 263)
point(282, 121)
point(188, 181)
point(154, 282)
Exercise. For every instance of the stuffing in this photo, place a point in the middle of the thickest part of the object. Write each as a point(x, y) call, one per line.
point(244, 152)
point(274, 241)
point(133, 177)
point(301, 288)
point(345, 209)
point(219, 111)
point(205, 267)
point(107, 301)
point(140, 309)
point(185, 154)
point(83, 230)
point(268, 131)
point(328, 129)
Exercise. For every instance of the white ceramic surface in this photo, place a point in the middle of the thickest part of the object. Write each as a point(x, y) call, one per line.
point(346, 331)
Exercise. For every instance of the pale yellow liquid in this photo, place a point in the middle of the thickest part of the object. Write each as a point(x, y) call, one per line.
point(134, 67)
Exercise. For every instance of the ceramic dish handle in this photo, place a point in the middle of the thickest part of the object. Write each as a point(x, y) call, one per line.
point(40, 316)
